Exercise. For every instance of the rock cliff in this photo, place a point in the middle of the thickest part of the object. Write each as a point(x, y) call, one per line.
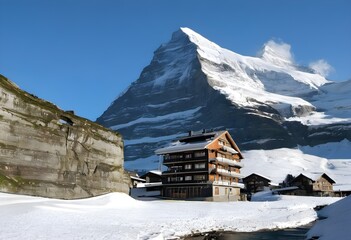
point(48, 152)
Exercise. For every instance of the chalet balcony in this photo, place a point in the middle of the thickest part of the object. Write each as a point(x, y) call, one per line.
point(227, 161)
point(183, 160)
point(229, 149)
point(184, 182)
point(232, 184)
point(183, 171)
point(225, 172)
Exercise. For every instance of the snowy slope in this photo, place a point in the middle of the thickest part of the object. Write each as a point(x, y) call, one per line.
point(333, 104)
point(335, 100)
point(273, 79)
point(335, 223)
point(250, 81)
point(265, 102)
point(333, 159)
point(276, 164)
point(332, 150)
point(118, 216)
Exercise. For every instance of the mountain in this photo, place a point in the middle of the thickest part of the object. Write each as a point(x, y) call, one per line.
point(265, 102)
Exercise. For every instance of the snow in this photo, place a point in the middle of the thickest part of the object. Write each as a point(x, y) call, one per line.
point(162, 105)
point(337, 222)
point(274, 79)
point(246, 80)
point(331, 150)
point(182, 146)
point(157, 172)
point(277, 53)
point(334, 159)
point(333, 103)
point(177, 115)
point(118, 216)
point(152, 139)
point(335, 100)
point(276, 164)
point(319, 118)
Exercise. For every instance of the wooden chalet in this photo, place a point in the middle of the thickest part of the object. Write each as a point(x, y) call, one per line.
point(152, 176)
point(313, 185)
point(135, 179)
point(150, 187)
point(204, 166)
point(256, 183)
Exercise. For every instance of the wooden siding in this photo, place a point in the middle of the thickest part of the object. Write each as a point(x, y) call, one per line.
point(255, 183)
point(191, 174)
point(323, 186)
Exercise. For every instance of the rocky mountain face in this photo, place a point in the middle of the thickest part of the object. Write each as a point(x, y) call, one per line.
point(45, 151)
point(265, 102)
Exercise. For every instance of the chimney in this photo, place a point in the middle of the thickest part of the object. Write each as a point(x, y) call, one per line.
point(190, 133)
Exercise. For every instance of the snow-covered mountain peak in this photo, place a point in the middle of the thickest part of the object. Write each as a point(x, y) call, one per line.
point(193, 83)
point(198, 39)
point(274, 63)
point(277, 53)
point(270, 79)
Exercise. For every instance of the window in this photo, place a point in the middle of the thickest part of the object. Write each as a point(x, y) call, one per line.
point(188, 155)
point(176, 179)
point(200, 154)
point(175, 168)
point(216, 190)
point(187, 166)
point(188, 178)
point(199, 165)
point(199, 177)
point(176, 156)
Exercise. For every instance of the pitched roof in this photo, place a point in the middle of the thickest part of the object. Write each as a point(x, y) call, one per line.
point(155, 172)
point(267, 178)
point(182, 147)
point(314, 177)
point(195, 141)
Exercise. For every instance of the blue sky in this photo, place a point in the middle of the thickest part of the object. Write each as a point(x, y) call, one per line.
point(81, 54)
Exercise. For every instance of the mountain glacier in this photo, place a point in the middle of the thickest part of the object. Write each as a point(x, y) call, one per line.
point(265, 102)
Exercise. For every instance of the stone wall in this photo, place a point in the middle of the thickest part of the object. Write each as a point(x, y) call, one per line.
point(48, 152)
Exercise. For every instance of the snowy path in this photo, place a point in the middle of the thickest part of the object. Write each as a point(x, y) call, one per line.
point(117, 216)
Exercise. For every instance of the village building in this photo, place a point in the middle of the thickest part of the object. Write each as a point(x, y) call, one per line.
point(256, 183)
point(313, 185)
point(152, 176)
point(151, 186)
point(204, 166)
point(135, 179)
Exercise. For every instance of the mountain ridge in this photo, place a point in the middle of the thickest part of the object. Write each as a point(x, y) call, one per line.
point(192, 83)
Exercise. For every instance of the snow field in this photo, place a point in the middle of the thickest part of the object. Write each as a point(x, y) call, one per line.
point(118, 216)
point(337, 222)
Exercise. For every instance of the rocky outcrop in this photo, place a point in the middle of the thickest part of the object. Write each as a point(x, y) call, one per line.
point(46, 151)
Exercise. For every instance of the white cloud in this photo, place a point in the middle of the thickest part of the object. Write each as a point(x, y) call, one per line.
point(321, 67)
